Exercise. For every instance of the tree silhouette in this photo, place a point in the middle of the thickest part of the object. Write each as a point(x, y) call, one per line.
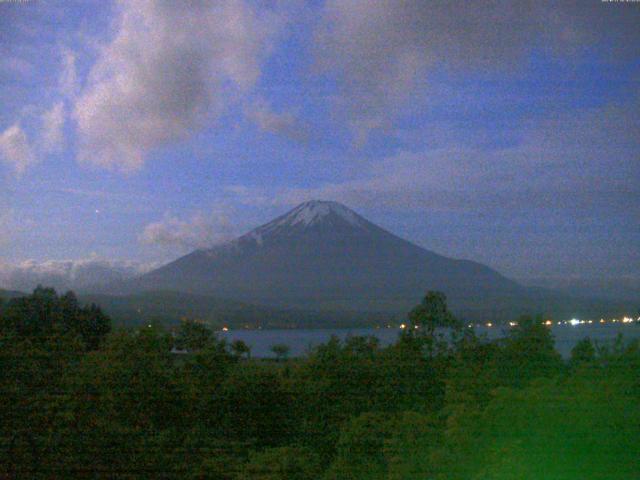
point(281, 351)
point(192, 335)
point(240, 348)
point(583, 353)
point(432, 313)
point(44, 313)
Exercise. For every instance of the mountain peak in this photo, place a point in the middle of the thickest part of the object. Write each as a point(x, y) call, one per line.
point(313, 211)
point(310, 215)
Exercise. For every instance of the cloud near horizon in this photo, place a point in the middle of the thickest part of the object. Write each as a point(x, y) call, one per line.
point(69, 274)
point(198, 231)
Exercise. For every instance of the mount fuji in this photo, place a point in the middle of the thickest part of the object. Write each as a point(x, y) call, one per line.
point(323, 256)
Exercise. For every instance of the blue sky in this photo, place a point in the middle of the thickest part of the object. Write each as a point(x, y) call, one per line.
point(508, 133)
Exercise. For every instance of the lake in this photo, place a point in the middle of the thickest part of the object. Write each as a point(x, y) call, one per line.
point(302, 340)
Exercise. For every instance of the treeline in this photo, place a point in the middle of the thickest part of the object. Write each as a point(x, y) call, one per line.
point(168, 308)
point(80, 400)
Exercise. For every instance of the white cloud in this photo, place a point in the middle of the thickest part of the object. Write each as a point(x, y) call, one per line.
point(170, 69)
point(69, 274)
point(15, 149)
point(199, 231)
point(52, 128)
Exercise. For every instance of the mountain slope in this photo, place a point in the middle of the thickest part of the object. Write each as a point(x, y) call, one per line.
point(322, 255)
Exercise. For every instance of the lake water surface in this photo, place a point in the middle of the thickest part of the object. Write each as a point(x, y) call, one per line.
point(301, 341)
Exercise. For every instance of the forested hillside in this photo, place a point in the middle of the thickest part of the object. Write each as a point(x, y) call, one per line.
point(83, 400)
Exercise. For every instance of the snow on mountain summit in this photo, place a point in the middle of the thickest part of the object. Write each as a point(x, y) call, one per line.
point(312, 212)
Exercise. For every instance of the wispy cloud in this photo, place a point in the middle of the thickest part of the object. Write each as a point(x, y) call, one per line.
point(68, 81)
point(384, 54)
point(579, 163)
point(52, 128)
point(286, 123)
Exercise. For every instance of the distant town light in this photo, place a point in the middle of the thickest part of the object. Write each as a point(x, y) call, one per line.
point(225, 329)
point(513, 324)
point(574, 321)
point(548, 323)
point(403, 326)
point(489, 324)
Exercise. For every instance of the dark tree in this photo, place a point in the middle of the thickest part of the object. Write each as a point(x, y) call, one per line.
point(240, 348)
point(253, 405)
point(192, 335)
point(281, 351)
point(529, 352)
point(583, 353)
point(282, 463)
point(432, 313)
point(43, 314)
